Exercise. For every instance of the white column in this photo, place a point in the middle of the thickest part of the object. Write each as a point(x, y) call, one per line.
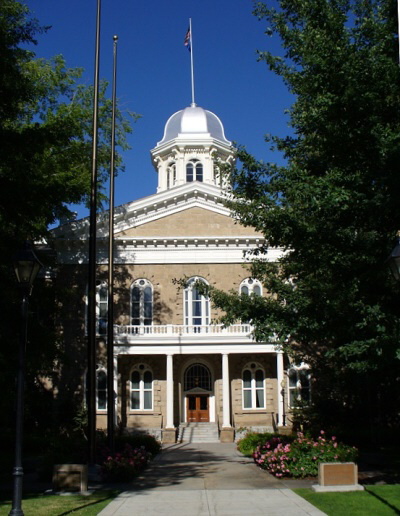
point(226, 412)
point(170, 392)
point(280, 377)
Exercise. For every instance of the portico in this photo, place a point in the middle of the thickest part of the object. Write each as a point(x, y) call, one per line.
point(202, 380)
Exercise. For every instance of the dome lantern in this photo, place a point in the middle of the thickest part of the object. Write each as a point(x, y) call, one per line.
point(193, 143)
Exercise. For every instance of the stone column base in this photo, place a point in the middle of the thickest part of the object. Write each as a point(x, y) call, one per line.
point(227, 435)
point(169, 436)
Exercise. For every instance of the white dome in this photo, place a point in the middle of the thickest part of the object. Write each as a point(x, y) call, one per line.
point(194, 121)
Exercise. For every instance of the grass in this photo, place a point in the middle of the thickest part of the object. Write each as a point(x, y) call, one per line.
point(56, 505)
point(377, 500)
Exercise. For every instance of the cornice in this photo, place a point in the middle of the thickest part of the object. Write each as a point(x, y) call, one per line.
point(161, 250)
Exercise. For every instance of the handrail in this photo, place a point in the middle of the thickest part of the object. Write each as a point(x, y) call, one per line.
point(180, 329)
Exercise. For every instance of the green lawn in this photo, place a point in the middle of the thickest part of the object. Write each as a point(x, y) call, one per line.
point(56, 505)
point(375, 500)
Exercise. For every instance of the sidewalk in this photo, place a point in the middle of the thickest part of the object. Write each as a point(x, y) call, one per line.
point(208, 480)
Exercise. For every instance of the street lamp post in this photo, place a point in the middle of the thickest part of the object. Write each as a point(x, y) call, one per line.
point(26, 267)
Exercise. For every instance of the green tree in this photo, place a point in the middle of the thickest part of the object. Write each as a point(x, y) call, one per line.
point(333, 208)
point(45, 129)
point(45, 164)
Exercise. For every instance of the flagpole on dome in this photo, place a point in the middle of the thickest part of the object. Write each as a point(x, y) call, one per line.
point(189, 44)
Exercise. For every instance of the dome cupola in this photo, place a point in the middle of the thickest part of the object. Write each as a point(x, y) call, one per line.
point(193, 122)
point(191, 149)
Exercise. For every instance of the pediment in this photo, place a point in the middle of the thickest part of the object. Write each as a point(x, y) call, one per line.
point(190, 222)
point(149, 210)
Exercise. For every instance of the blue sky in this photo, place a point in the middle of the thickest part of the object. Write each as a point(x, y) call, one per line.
point(154, 70)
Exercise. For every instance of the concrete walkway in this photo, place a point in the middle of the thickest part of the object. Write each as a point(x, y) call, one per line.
point(208, 480)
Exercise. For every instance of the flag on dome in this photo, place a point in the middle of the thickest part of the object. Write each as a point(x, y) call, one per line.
point(186, 41)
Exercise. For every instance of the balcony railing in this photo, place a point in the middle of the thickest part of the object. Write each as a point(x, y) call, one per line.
point(180, 329)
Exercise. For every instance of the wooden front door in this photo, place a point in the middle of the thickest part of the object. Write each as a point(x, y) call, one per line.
point(197, 408)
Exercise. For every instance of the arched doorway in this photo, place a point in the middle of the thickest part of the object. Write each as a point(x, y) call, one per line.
point(197, 387)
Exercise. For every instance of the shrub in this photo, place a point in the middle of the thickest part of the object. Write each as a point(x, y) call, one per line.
point(138, 440)
point(135, 440)
point(301, 457)
point(62, 448)
point(252, 440)
point(124, 466)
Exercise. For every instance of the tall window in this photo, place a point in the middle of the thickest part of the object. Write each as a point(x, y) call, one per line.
point(171, 175)
point(299, 385)
point(141, 388)
point(142, 303)
point(101, 389)
point(101, 308)
point(217, 176)
point(251, 286)
point(253, 387)
point(197, 306)
point(194, 171)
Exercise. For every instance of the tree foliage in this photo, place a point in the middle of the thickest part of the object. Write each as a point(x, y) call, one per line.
point(45, 130)
point(333, 208)
point(45, 164)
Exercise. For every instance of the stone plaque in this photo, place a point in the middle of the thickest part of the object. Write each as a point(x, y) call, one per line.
point(337, 474)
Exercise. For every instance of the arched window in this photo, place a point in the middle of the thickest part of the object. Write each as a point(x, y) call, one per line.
point(299, 384)
point(251, 286)
point(171, 175)
point(141, 388)
point(253, 387)
point(194, 171)
point(197, 306)
point(197, 376)
point(141, 303)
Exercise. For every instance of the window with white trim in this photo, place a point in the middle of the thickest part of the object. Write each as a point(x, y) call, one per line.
point(251, 286)
point(253, 381)
point(171, 175)
point(197, 306)
point(142, 303)
point(141, 387)
point(101, 387)
point(194, 171)
point(299, 385)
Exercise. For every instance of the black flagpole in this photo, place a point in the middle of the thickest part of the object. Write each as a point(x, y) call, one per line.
point(91, 350)
point(110, 325)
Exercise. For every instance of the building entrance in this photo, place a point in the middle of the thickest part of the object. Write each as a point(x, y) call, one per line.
point(197, 407)
point(197, 385)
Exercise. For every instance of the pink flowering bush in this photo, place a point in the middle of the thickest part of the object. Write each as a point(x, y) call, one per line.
point(125, 465)
point(301, 457)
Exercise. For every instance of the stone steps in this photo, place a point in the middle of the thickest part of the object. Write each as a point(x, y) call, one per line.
point(198, 433)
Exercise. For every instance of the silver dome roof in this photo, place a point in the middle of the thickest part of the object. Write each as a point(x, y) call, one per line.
point(194, 121)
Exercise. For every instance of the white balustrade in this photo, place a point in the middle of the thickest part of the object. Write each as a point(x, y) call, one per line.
point(180, 329)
